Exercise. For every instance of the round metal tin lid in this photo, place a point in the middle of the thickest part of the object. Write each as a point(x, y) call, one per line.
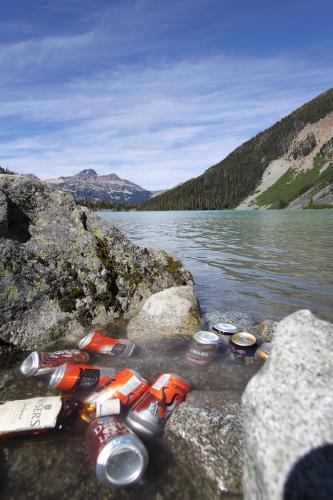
point(207, 338)
point(225, 328)
point(244, 339)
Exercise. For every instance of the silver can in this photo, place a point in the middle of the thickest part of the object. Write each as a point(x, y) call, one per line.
point(203, 348)
point(41, 363)
point(225, 330)
point(149, 414)
point(117, 455)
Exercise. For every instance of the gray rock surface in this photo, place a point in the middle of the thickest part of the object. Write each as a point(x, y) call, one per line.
point(304, 147)
point(241, 320)
point(62, 267)
point(172, 311)
point(204, 434)
point(288, 413)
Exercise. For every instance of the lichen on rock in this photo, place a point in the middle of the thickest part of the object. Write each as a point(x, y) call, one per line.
point(64, 267)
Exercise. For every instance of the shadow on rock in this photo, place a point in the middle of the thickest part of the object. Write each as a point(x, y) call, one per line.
point(312, 476)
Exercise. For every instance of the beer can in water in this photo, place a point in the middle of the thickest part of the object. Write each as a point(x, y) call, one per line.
point(80, 378)
point(203, 348)
point(127, 385)
point(98, 342)
point(40, 363)
point(149, 414)
point(263, 352)
point(225, 330)
point(117, 455)
point(242, 345)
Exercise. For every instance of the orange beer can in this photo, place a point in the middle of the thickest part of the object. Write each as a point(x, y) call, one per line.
point(149, 414)
point(127, 385)
point(78, 377)
point(98, 342)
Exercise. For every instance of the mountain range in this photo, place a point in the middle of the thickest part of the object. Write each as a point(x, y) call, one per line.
point(88, 186)
point(288, 165)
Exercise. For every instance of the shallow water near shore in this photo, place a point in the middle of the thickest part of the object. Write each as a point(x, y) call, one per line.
point(266, 263)
point(57, 465)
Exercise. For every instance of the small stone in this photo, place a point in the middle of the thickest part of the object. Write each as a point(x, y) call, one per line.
point(174, 311)
point(265, 330)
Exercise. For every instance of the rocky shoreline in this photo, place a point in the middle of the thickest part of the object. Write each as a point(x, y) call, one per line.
point(244, 431)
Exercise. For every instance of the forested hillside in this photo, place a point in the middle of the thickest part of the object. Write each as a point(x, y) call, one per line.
point(227, 183)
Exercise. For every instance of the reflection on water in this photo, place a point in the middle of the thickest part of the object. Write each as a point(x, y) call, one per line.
point(265, 263)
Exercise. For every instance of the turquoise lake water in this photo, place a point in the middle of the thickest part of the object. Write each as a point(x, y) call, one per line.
point(266, 263)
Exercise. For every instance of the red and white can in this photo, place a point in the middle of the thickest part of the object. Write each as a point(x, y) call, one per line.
point(117, 455)
point(127, 385)
point(40, 363)
point(98, 342)
point(149, 414)
point(80, 378)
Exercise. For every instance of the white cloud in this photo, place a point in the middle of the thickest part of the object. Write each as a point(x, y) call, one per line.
point(155, 123)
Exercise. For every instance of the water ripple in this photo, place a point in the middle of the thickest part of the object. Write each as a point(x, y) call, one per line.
point(266, 263)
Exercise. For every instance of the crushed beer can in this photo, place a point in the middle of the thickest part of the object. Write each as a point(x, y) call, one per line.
point(127, 386)
point(117, 455)
point(98, 342)
point(41, 363)
point(80, 378)
point(150, 413)
point(203, 348)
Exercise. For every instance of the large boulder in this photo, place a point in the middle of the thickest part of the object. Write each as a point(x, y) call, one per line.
point(62, 267)
point(288, 414)
point(205, 436)
point(172, 311)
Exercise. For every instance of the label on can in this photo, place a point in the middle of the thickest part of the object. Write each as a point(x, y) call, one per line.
point(130, 386)
point(29, 414)
point(125, 385)
point(157, 403)
point(54, 359)
point(100, 432)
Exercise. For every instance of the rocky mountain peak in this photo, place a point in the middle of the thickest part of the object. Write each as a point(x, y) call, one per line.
point(87, 174)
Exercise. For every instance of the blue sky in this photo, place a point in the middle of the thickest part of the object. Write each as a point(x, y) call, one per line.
point(153, 90)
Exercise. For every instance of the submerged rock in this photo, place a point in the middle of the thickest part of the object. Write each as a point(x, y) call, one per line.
point(173, 311)
point(288, 409)
point(265, 330)
point(62, 267)
point(205, 436)
point(241, 320)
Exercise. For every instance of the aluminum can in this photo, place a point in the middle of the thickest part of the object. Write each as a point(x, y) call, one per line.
point(225, 330)
point(80, 378)
point(150, 413)
point(98, 342)
point(203, 348)
point(41, 363)
point(117, 455)
point(242, 346)
point(127, 385)
point(263, 352)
